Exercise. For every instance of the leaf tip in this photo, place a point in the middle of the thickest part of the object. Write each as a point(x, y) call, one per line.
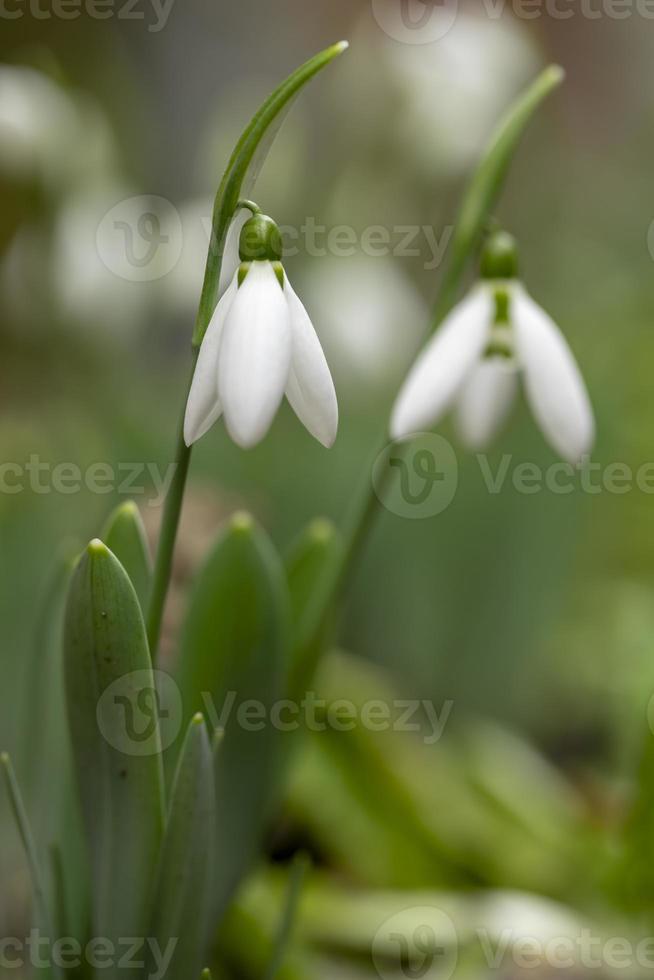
point(341, 47)
point(197, 719)
point(5, 760)
point(241, 522)
point(556, 74)
point(322, 530)
point(97, 549)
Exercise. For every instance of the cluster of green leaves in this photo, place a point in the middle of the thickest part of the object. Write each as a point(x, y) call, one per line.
point(167, 832)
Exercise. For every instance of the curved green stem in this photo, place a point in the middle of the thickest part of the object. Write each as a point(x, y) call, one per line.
point(167, 536)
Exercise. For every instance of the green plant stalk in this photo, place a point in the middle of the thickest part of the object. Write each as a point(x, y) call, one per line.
point(228, 198)
point(168, 534)
point(479, 198)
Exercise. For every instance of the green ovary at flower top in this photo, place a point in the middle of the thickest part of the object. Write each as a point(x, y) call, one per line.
point(260, 346)
point(496, 333)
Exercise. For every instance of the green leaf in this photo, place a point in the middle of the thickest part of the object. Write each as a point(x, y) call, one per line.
point(124, 535)
point(246, 159)
point(182, 894)
point(43, 919)
point(51, 803)
point(486, 183)
point(297, 874)
point(112, 711)
point(234, 650)
point(320, 545)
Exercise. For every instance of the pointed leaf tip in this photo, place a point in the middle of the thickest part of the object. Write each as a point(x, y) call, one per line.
point(97, 548)
point(242, 522)
point(322, 530)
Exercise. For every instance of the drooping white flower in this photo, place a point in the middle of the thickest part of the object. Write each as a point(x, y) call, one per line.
point(260, 346)
point(494, 337)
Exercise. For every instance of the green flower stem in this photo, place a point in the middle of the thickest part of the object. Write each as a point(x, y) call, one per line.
point(241, 171)
point(478, 201)
point(168, 534)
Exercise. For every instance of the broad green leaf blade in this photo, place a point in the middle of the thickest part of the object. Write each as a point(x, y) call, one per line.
point(486, 183)
point(182, 894)
point(112, 712)
point(124, 535)
point(234, 667)
point(43, 919)
point(318, 547)
point(246, 159)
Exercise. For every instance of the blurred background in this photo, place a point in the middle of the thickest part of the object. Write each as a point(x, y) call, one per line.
point(532, 613)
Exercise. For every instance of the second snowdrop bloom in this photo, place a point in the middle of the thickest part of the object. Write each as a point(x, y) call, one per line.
point(496, 336)
point(260, 346)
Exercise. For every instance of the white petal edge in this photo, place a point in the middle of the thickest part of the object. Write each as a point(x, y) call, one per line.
point(310, 389)
point(231, 259)
point(554, 386)
point(255, 356)
point(440, 370)
point(203, 406)
point(484, 401)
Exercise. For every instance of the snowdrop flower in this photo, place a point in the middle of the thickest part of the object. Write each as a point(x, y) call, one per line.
point(260, 345)
point(495, 336)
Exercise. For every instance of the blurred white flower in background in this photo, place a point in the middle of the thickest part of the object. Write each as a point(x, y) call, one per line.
point(372, 318)
point(48, 134)
point(181, 287)
point(89, 288)
point(433, 104)
point(453, 90)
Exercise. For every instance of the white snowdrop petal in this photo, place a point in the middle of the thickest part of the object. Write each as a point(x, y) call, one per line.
point(255, 356)
point(441, 368)
point(555, 388)
point(310, 389)
point(484, 401)
point(203, 407)
point(231, 260)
